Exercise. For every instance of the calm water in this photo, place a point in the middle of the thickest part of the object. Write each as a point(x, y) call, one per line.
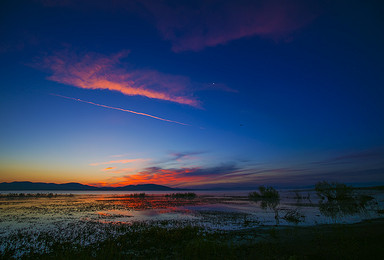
point(88, 217)
point(198, 192)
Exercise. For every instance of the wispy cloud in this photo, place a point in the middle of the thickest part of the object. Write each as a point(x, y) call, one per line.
point(230, 175)
point(121, 109)
point(184, 156)
point(119, 161)
point(222, 174)
point(97, 71)
point(370, 155)
point(209, 23)
point(174, 176)
point(157, 175)
point(108, 168)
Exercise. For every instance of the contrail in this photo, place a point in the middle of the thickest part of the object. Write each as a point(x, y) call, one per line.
point(121, 109)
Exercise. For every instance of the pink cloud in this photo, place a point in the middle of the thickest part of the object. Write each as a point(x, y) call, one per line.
point(194, 26)
point(175, 176)
point(124, 170)
point(225, 174)
point(97, 71)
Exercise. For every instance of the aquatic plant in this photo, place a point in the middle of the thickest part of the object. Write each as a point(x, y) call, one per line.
point(294, 216)
point(333, 190)
point(264, 193)
point(270, 204)
point(138, 195)
point(34, 195)
point(338, 199)
point(352, 206)
point(269, 199)
point(188, 195)
point(299, 196)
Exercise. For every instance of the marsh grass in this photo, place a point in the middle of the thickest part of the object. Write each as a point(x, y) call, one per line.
point(188, 195)
point(294, 216)
point(34, 195)
point(357, 241)
point(138, 195)
point(298, 196)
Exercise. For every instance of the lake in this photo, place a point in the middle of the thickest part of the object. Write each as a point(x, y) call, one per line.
point(89, 217)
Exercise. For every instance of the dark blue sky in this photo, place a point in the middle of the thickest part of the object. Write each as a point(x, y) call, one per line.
point(231, 93)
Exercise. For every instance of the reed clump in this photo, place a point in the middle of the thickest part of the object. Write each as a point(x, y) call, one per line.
point(138, 195)
point(294, 216)
point(188, 195)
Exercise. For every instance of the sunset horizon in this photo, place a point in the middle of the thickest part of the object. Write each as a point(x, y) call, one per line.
point(204, 129)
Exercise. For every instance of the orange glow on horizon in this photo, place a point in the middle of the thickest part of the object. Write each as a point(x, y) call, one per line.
point(167, 177)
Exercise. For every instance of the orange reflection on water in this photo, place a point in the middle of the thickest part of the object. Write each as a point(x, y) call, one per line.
point(150, 202)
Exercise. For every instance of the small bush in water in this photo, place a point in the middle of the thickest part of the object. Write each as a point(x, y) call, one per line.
point(264, 193)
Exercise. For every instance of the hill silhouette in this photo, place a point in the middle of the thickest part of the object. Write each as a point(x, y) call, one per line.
point(27, 185)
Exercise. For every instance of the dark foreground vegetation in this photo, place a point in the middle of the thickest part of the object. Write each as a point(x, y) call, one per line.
point(355, 241)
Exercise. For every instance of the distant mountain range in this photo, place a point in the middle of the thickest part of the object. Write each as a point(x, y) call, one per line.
point(72, 186)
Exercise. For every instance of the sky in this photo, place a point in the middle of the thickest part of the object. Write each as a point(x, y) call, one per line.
point(192, 94)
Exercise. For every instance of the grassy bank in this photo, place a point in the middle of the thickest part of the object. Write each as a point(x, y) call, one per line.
point(355, 241)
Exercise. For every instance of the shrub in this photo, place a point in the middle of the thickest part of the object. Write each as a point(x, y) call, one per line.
point(264, 193)
point(338, 199)
point(333, 191)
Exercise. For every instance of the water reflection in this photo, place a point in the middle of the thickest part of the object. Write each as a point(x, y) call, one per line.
point(149, 202)
point(219, 212)
point(270, 204)
point(352, 205)
point(300, 198)
point(294, 216)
